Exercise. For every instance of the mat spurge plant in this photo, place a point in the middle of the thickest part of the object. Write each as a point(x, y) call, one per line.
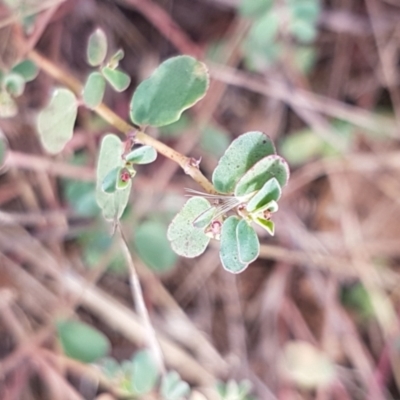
point(249, 179)
point(246, 184)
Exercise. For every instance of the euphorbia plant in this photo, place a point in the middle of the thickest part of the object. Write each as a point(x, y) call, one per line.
point(246, 184)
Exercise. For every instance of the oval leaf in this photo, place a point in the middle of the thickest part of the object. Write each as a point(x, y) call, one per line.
point(56, 121)
point(144, 372)
point(14, 84)
point(268, 225)
point(186, 239)
point(173, 387)
point(153, 247)
point(117, 79)
point(96, 48)
point(109, 184)
point(255, 178)
point(110, 157)
point(93, 91)
point(240, 156)
point(8, 108)
point(174, 86)
point(270, 191)
point(82, 342)
point(27, 69)
point(248, 243)
point(142, 155)
point(229, 251)
point(114, 60)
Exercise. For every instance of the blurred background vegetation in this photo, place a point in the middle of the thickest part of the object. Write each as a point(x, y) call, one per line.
point(317, 315)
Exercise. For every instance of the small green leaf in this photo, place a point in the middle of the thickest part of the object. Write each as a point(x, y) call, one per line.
point(269, 167)
point(173, 387)
point(229, 250)
point(27, 69)
point(110, 157)
point(153, 247)
point(82, 342)
point(248, 243)
point(113, 62)
point(93, 90)
point(264, 30)
point(302, 30)
point(3, 149)
point(142, 155)
point(8, 108)
point(56, 121)
point(14, 84)
point(214, 141)
point(174, 86)
point(124, 178)
point(144, 372)
point(270, 191)
point(109, 184)
point(97, 48)
point(186, 239)
point(81, 197)
point(240, 156)
point(254, 8)
point(117, 79)
point(268, 225)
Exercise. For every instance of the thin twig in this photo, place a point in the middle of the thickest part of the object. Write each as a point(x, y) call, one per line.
point(140, 305)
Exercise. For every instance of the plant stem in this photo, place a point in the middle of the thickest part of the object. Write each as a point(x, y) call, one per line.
point(189, 165)
point(140, 305)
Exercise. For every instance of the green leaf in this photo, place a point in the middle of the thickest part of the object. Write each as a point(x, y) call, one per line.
point(110, 157)
point(173, 388)
point(3, 149)
point(124, 178)
point(186, 239)
point(153, 247)
point(270, 191)
point(240, 156)
point(305, 10)
point(264, 30)
point(269, 167)
point(94, 89)
point(144, 372)
point(81, 196)
point(303, 31)
point(114, 60)
point(142, 155)
point(8, 108)
point(117, 79)
point(97, 48)
point(254, 8)
point(174, 86)
point(56, 121)
point(27, 69)
point(229, 250)
point(214, 141)
point(268, 225)
point(82, 342)
point(109, 184)
point(205, 218)
point(248, 243)
point(14, 84)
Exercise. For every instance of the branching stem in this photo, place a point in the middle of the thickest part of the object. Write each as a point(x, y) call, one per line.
point(189, 165)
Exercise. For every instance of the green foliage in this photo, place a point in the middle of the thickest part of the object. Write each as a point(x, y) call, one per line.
point(14, 84)
point(117, 79)
point(97, 48)
point(93, 90)
point(173, 387)
point(153, 247)
point(214, 141)
point(254, 8)
point(186, 239)
point(81, 196)
point(241, 155)
point(8, 108)
point(144, 372)
point(233, 390)
point(174, 86)
point(3, 149)
point(56, 121)
point(82, 342)
point(356, 298)
point(110, 158)
point(27, 69)
point(141, 155)
point(250, 176)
